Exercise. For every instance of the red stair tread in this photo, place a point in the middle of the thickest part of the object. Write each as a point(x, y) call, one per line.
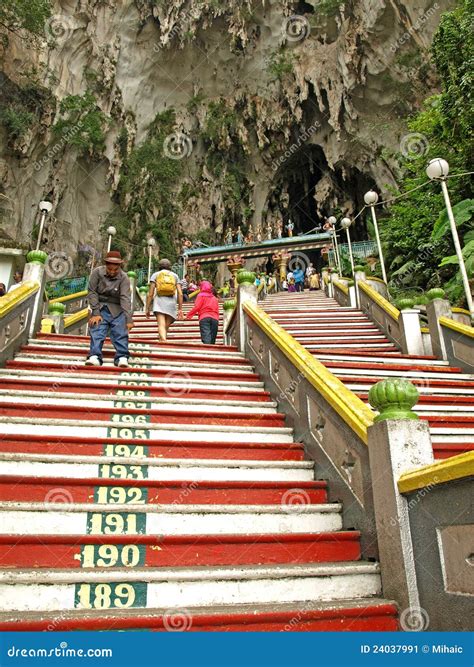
point(184, 551)
point(370, 618)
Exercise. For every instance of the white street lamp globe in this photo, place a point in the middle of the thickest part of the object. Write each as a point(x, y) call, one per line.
point(371, 198)
point(346, 223)
point(151, 243)
point(45, 206)
point(437, 169)
point(111, 231)
point(332, 220)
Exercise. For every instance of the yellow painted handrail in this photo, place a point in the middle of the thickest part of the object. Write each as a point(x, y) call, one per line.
point(190, 296)
point(463, 311)
point(271, 284)
point(457, 326)
point(352, 410)
point(326, 279)
point(379, 300)
point(344, 288)
point(69, 297)
point(447, 470)
point(12, 299)
point(74, 318)
point(377, 280)
point(260, 287)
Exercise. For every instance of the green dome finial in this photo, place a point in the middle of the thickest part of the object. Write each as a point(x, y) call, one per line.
point(37, 257)
point(394, 399)
point(245, 277)
point(436, 293)
point(229, 304)
point(56, 308)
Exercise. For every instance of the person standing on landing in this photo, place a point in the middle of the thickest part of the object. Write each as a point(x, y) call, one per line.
point(110, 301)
point(166, 294)
point(207, 307)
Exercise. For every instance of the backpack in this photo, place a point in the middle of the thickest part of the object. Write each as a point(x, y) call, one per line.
point(165, 284)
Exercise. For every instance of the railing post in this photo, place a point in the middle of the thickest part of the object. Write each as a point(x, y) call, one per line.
point(56, 314)
point(143, 292)
point(34, 271)
point(398, 441)
point(228, 309)
point(247, 291)
point(133, 292)
point(359, 276)
point(437, 307)
point(412, 340)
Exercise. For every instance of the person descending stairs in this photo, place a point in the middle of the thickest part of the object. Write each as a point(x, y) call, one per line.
point(351, 346)
point(169, 495)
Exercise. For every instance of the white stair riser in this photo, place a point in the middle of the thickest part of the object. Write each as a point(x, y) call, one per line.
point(54, 522)
point(184, 366)
point(194, 433)
point(140, 470)
point(178, 379)
point(94, 401)
point(417, 375)
point(179, 595)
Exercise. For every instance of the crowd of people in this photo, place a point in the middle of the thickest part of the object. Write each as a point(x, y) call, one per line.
point(17, 278)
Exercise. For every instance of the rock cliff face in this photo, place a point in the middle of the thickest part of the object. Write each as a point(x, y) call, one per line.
point(173, 117)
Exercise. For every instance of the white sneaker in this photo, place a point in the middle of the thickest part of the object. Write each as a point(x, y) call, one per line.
point(93, 361)
point(123, 362)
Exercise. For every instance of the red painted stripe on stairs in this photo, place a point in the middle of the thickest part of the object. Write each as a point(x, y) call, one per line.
point(369, 618)
point(21, 489)
point(155, 447)
point(187, 551)
point(446, 450)
point(430, 382)
point(369, 365)
point(155, 416)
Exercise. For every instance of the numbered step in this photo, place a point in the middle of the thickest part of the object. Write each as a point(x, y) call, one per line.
point(140, 451)
point(122, 471)
point(120, 523)
point(109, 596)
point(134, 405)
point(134, 383)
point(135, 393)
point(130, 419)
point(113, 555)
point(117, 433)
point(120, 494)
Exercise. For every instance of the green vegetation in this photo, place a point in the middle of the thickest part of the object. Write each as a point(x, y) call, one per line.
point(221, 122)
point(25, 15)
point(280, 63)
point(82, 124)
point(21, 107)
point(147, 193)
point(17, 121)
point(419, 248)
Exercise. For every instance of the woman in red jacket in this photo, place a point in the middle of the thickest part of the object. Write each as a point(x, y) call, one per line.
point(207, 308)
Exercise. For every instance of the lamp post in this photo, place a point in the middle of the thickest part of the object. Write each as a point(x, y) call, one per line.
point(45, 207)
point(332, 221)
point(345, 224)
point(438, 170)
point(371, 198)
point(151, 243)
point(111, 231)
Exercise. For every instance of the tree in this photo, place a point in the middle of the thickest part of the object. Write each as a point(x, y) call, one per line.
point(25, 15)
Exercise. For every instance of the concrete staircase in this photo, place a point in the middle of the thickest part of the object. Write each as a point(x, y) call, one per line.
point(167, 496)
point(359, 354)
